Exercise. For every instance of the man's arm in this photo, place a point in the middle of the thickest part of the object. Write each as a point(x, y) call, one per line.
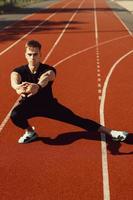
point(46, 77)
point(43, 81)
point(17, 85)
point(15, 80)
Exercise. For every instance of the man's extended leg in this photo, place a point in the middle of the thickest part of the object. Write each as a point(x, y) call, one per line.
point(55, 110)
point(61, 113)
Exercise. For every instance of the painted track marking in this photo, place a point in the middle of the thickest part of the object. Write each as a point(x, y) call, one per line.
point(89, 48)
point(130, 33)
point(105, 85)
point(105, 174)
point(99, 85)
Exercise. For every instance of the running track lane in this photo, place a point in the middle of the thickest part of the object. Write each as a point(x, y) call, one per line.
point(68, 174)
point(118, 100)
point(63, 157)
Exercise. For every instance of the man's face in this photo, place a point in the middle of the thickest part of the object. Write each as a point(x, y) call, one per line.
point(33, 55)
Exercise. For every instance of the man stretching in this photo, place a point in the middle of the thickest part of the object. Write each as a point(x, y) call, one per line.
point(33, 82)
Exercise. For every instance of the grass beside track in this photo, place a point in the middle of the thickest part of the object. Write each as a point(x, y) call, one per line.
point(10, 5)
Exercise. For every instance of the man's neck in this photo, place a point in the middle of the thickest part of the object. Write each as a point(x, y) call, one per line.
point(33, 68)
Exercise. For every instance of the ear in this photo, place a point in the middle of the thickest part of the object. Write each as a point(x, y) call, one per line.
point(25, 55)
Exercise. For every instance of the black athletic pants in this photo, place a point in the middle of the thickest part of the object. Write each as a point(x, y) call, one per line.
point(54, 110)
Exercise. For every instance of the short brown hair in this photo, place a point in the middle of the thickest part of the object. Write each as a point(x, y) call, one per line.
point(33, 43)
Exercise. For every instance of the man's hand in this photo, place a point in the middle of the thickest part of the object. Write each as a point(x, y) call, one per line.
point(21, 88)
point(32, 89)
point(27, 89)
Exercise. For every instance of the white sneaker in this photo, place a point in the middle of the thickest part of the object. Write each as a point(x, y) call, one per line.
point(118, 135)
point(28, 137)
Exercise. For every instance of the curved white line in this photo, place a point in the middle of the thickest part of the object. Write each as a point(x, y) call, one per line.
point(89, 48)
point(105, 85)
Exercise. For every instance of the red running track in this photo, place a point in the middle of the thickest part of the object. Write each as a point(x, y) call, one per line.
point(89, 53)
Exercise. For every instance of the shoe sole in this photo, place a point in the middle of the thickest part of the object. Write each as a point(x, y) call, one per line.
point(119, 139)
point(29, 140)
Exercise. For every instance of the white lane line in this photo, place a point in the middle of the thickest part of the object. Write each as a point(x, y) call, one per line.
point(96, 26)
point(61, 35)
point(8, 115)
point(99, 80)
point(97, 49)
point(22, 19)
point(99, 91)
point(98, 75)
point(98, 70)
point(24, 36)
point(106, 189)
point(98, 66)
point(89, 48)
point(106, 82)
point(99, 85)
point(99, 98)
point(125, 26)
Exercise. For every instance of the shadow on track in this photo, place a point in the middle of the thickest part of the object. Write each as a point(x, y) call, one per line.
point(71, 137)
point(30, 10)
point(114, 147)
point(21, 28)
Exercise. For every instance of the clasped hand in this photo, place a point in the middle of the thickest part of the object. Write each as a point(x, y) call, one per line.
point(27, 89)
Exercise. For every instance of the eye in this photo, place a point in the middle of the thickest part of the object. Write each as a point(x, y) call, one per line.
point(32, 54)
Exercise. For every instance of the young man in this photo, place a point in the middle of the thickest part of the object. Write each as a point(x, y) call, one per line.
point(33, 82)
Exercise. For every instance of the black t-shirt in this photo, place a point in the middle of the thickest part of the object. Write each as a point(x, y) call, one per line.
point(45, 94)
